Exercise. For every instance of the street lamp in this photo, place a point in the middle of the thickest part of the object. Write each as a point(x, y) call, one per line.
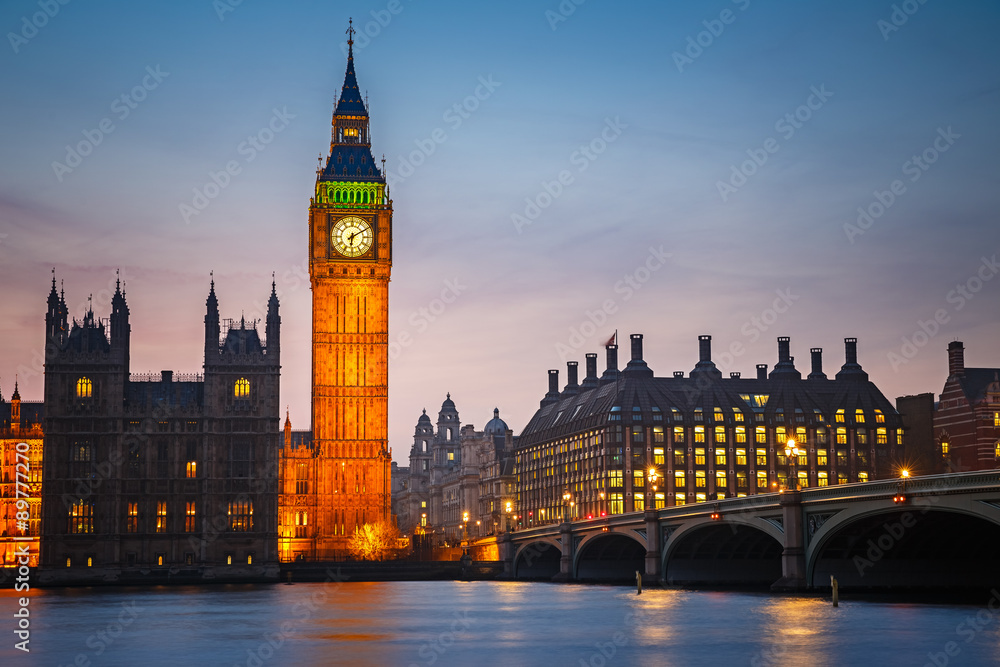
point(507, 509)
point(566, 504)
point(465, 525)
point(792, 452)
point(603, 511)
point(651, 490)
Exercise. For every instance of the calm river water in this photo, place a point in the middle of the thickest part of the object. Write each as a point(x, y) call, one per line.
point(488, 623)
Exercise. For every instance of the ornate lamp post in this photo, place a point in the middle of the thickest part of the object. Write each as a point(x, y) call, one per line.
point(567, 503)
point(652, 475)
point(792, 452)
point(604, 511)
point(507, 508)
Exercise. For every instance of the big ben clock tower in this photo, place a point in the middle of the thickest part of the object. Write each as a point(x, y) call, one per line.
point(350, 258)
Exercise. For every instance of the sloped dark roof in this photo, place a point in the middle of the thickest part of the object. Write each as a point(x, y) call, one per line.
point(339, 167)
point(181, 394)
point(32, 412)
point(350, 103)
point(300, 439)
point(88, 336)
point(242, 341)
point(976, 381)
point(562, 417)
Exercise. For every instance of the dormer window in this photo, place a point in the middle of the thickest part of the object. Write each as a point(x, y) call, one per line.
point(364, 159)
point(351, 159)
point(340, 159)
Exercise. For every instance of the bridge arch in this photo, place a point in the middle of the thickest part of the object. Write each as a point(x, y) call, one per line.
point(735, 551)
point(537, 559)
point(610, 556)
point(935, 542)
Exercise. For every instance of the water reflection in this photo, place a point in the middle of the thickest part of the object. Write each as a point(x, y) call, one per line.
point(485, 623)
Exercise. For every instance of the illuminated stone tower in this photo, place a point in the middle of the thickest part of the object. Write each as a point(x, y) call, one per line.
point(350, 257)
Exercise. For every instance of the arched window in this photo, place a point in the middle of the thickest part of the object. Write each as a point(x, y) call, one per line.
point(84, 388)
point(242, 388)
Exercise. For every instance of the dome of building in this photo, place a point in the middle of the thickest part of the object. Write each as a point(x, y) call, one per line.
point(495, 426)
point(424, 418)
point(448, 403)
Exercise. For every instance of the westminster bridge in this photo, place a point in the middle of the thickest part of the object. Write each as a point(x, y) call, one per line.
point(933, 531)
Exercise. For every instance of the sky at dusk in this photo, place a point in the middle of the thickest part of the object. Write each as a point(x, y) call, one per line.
point(558, 171)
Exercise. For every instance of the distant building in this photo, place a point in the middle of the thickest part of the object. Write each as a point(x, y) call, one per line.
point(165, 475)
point(20, 478)
point(967, 417)
point(921, 454)
point(628, 440)
point(458, 478)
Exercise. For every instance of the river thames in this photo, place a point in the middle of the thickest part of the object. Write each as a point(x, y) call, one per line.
point(490, 623)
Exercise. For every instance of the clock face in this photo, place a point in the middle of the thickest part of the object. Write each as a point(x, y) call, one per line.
point(352, 236)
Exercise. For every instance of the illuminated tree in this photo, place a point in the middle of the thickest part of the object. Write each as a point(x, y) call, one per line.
point(374, 541)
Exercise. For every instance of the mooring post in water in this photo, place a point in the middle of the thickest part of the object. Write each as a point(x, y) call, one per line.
point(836, 590)
point(638, 583)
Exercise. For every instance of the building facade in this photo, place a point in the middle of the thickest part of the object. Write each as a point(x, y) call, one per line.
point(627, 440)
point(159, 475)
point(345, 456)
point(458, 480)
point(20, 478)
point(967, 416)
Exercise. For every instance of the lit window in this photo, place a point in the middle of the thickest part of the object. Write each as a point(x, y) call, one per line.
point(350, 131)
point(81, 517)
point(242, 388)
point(741, 457)
point(699, 457)
point(823, 479)
point(720, 479)
point(996, 449)
point(862, 476)
point(229, 559)
point(660, 500)
point(451, 455)
point(679, 480)
point(879, 417)
point(861, 436)
point(762, 457)
point(658, 434)
point(189, 517)
point(161, 516)
point(700, 497)
point(780, 435)
point(840, 416)
point(841, 436)
point(841, 478)
point(638, 479)
point(617, 504)
point(698, 415)
point(761, 479)
point(159, 559)
point(640, 502)
point(699, 479)
point(132, 518)
point(881, 437)
point(741, 434)
point(699, 434)
point(658, 458)
point(240, 516)
point(678, 434)
point(760, 434)
point(84, 388)
point(821, 457)
point(192, 469)
point(817, 415)
point(737, 414)
point(945, 446)
point(718, 415)
point(678, 457)
point(859, 416)
point(996, 418)
point(720, 457)
point(249, 559)
point(90, 561)
point(720, 434)
point(679, 499)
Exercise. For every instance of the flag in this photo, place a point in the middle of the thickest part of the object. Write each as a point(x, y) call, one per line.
point(611, 341)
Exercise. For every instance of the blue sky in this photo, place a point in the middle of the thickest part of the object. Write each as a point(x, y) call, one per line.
point(671, 98)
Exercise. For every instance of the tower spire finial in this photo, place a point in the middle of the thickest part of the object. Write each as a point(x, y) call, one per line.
point(350, 37)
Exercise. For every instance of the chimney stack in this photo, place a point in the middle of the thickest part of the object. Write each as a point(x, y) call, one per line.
point(761, 371)
point(591, 380)
point(572, 386)
point(611, 374)
point(784, 352)
point(817, 364)
point(956, 358)
point(678, 374)
point(553, 395)
point(637, 367)
point(735, 375)
point(704, 348)
point(851, 368)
